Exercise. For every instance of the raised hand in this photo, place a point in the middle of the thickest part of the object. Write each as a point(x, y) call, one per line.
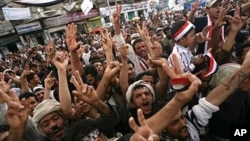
point(71, 31)
point(157, 50)
point(157, 62)
point(143, 31)
point(123, 49)
point(106, 40)
point(195, 5)
point(17, 113)
point(49, 81)
point(201, 36)
point(61, 60)
point(142, 132)
point(50, 48)
point(176, 72)
point(117, 14)
point(25, 72)
point(84, 92)
point(4, 86)
point(237, 22)
point(112, 69)
point(222, 17)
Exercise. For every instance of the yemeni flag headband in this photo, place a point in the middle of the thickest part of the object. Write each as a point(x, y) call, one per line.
point(183, 30)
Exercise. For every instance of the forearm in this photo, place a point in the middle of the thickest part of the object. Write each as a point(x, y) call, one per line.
point(162, 85)
point(16, 135)
point(46, 93)
point(75, 62)
point(228, 45)
point(101, 107)
point(124, 77)
point(245, 8)
point(24, 85)
point(164, 116)
point(64, 94)
point(117, 28)
point(213, 43)
point(109, 56)
point(191, 16)
point(221, 92)
point(102, 87)
point(149, 46)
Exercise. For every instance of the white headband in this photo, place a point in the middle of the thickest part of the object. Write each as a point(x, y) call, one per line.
point(183, 30)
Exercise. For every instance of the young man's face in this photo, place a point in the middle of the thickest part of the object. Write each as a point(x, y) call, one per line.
point(131, 72)
point(40, 95)
point(214, 11)
point(143, 99)
point(81, 107)
point(54, 126)
point(32, 103)
point(99, 67)
point(149, 79)
point(140, 49)
point(177, 127)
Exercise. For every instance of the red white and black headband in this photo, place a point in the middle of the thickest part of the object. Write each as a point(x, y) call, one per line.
point(183, 30)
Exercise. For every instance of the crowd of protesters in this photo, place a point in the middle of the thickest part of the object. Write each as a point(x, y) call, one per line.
point(180, 76)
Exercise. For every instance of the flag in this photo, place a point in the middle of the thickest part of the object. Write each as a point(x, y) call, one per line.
point(86, 6)
point(38, 2)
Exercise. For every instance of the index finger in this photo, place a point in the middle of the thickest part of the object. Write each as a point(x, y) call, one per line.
point(50, 74)
point(138, 27)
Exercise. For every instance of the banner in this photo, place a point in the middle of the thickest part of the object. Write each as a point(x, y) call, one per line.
point(16, 13)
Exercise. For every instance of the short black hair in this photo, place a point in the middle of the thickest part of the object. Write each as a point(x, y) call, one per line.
point(138, 40)
point(147, 73)
point(27, 95)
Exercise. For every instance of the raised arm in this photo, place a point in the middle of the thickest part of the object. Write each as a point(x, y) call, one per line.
point(73, 46)
point(88, 94)
point(23, 79)
point(49, 82)
point(116, 21)
point(107, 46)
point(236, 23)
point(165, 115)
point(194, 7)
point(61, 61)
point(16, 115)
point(124, 70)
point(112, 69)
point(145, 37)
point(221, 92)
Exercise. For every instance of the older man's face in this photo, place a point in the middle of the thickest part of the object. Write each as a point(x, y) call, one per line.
point(54, 126)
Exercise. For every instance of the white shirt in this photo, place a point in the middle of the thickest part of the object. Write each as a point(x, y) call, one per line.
point(185, 57)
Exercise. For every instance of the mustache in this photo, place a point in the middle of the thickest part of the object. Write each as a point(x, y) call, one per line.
point(56, 128)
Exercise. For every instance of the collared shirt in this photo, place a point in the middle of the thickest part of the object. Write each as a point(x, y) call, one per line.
point(185, 57)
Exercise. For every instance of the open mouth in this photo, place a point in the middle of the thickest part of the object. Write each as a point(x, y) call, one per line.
point(146, 106)
point(57, 132)
point(184, 133)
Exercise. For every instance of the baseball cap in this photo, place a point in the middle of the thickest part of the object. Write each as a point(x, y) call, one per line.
point(210, 3)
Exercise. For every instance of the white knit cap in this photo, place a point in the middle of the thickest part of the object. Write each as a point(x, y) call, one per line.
point(42, 109)
point(137, 83)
